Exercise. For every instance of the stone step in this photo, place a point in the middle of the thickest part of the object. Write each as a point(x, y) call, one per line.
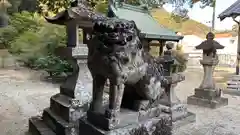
point(235, 78)
point(233, 86)
point(58, 125)
point(233, 82)
point(63, 106)
point(229, 89)
point(38, 127)
point(236, 87)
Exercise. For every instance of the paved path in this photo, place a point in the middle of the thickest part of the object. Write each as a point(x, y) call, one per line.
point(23, 96)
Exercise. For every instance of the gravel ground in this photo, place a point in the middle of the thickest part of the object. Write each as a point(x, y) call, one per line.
point(221, 121)
point(23, 95)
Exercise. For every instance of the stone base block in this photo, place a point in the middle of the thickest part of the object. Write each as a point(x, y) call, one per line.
point(38, 127)
point(181, 116)
point(207, 93)
point(58, 125)
point(184, 120)
point(159, 126)
point(232, 92)
point(213, 104)
point(61, 118)
point(124, 118)
point(68, 108)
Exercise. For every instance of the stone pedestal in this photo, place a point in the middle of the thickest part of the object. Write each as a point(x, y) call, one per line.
point(179, 112)
point(233, 86)
point(207, 95)
point(153, 121)
point(66, 108)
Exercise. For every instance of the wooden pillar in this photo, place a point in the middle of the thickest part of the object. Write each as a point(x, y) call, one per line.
point(238, 51)
point(162, 44)
point(146, 46)
point(84, 36)
point(72, 34)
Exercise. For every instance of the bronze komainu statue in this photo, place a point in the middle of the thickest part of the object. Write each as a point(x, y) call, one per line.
point(116, 53)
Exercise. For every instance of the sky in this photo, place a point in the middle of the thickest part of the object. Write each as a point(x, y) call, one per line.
point(205, 15)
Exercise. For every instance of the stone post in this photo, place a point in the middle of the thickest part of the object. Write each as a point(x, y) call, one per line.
point(146, 45)
point(162, 43)
point(179, 113)
point(207, 95)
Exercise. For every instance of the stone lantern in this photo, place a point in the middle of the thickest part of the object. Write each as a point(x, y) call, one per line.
point(71, 104)
point(179, 112)
point(207, 95)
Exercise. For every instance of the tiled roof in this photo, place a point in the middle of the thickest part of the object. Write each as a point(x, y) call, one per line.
point(149, 27)
point(232, 11)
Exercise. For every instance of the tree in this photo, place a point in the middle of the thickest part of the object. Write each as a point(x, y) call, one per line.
point(28, 5)
point(56, 5)
point(14, 8)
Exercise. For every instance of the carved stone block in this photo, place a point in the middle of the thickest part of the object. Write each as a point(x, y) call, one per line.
point(69, 109)
point(207, 98)
point(124, 118)
point(38, 127)
point(58, 125)
point(158, 126)
point(207, 93)
point(61, 118)
point(181, 116)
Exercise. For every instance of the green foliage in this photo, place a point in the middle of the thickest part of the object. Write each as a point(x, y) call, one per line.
point(54, 5)
point(53, 65)
point(185, 27)
point(28, 5)
point(14, 8)
point(22, 5)
point(102, 7)
point(18, 24)
point(57, 5)
point(133, 2)
point(34, 41)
